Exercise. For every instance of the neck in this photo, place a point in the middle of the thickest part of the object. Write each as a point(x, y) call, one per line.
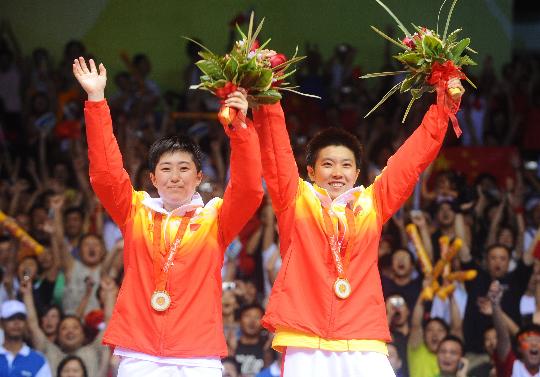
point(532, 369)
point(402, 280)
point(249, 339)
point(403, 328)
point(13, 345)
point(52, 337)
point(228, 319)
point(172, 206)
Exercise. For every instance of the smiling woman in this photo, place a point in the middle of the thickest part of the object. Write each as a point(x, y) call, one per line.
point(328, 303)
point(168, 312)
point(177, 172)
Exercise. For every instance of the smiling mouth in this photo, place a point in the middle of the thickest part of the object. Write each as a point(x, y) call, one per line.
point(337, 184)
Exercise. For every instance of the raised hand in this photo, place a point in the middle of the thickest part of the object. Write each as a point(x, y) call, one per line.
point(455, 89)
point(92, 80)
point(238, 100)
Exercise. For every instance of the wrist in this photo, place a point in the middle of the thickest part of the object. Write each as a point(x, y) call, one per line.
point(96, 96)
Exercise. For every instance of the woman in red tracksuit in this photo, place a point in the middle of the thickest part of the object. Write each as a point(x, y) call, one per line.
point(326, 307)
point(167, 320)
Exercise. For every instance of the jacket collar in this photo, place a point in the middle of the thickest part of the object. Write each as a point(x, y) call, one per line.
point(156, 204)
point(350, 196)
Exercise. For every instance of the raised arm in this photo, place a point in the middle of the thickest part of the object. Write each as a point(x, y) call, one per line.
point(503, 337)
point(108, 177)
point(278, 163)
point(416, 337)
point(244, 192)
point(37, 334)
point(397, 180)
point(279, 166)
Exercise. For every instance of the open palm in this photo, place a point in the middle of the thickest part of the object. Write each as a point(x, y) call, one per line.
point(92, 80)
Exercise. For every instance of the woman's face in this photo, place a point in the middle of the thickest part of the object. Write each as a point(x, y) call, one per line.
point(72, 368)
point(50, 321)
point(27, 268)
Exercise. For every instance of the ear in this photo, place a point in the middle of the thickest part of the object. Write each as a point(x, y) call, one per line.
point(311, 173)
point(153, 179)
point(357, 175)
point(199, 177)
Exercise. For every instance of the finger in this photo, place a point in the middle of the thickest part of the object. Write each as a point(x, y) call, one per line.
point(83, 65)
point(102, 70)
point(77, 67)
point(92, 66)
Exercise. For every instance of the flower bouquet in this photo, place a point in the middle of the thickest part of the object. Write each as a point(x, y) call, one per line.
point(429, 61)
point(259, 71)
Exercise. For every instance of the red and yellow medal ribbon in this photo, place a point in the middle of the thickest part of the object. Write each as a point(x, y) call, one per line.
point(340, 250)
point(161, 270)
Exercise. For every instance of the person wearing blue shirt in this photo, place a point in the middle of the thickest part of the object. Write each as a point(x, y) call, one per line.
point(16, 358)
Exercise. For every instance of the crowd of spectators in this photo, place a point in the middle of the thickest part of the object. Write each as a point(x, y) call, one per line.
point(55, 305)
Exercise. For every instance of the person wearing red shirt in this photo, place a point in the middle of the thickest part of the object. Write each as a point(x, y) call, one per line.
point(167, 319)
point(326, 306)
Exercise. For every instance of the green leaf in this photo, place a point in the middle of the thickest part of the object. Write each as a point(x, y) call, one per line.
point(288, 63)
point(382, 74)
point(431, 44)
point(241, 32)
point(264, 44)
point(471, 50)
point(198, 44)
point(448, 19)
point(400, 24)
point(452, 36)
point(248, 79)
point(408, 109)
point(394, 89)
point(408, 82)
point(465, 60)
point(290, 89)
point(210, 68)
point(389, 38)
point(459, 47)
point(267, 97)
point(254, 36)
point(417, 93)
point(231, 70)
point(265, 79)
point(439, 15)
point(411, 58)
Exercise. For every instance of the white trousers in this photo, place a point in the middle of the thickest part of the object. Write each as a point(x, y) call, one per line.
point(320, 363)
point(141, 368)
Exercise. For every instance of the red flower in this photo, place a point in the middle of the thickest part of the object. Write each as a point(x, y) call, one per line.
point(255, 45)
point(226, 90)
point(277, 59)
point(409, 43)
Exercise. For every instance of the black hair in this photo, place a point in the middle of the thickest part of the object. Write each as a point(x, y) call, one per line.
point(171, 144)
point(249, 307)
point(404, 249)
point(138, 58)
point(455, 339)
point(231, 360)
point(66, 360)
point(439, 320)
point(47, 308)
point(333, 137)
point(71, 210)
point(498, 246)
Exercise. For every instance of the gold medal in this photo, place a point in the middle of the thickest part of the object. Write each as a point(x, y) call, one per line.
point(160, 301)
point(342, 288)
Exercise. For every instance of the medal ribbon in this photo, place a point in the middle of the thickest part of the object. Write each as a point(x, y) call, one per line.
point(339, 248)
point(162, 271)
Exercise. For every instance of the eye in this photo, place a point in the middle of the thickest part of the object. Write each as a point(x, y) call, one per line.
point(326, 164)
point(184, 168)
point(165, 169)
